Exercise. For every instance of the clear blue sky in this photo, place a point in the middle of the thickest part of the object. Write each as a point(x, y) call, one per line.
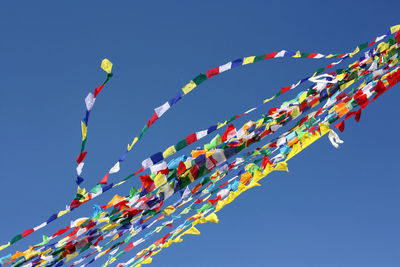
point(336, 207)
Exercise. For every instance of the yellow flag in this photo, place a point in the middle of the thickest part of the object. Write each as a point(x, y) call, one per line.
point(159, 180)
point(355, 51)
point(248, 60)
point(281, 166)
point(105, 220)
point(298, 54)
point(221, 124)
point(156, 251)
point(185, 211)
point(84, 130)
point(101, 254)
point(212, 218)
point(395, 61)
point(178, 239)
point(395, 28)
point(106, 65)
point(118, 184)
point(345, 85)
point(302, 97)
point(269, 99)
point(259, 123)
point(114, 201)
point(220, 205)
point(116, 236)
point(168, 210)
point(71, 256)
point(253, 184)
point(324, 128)
point(133, 143)
point(62, 241)
point(81, 191)
point(167, 244)
point(258, 175)
point(382, 46)
point(241, 189)
point(295, 112)
point(109, 227)
point(147, 261)
point(268, 169)
point(189, 87)
point(61, 213)
point(192, 231)
point(341, 76)
point(169, 151)
point(46, 252)
point(30, 253)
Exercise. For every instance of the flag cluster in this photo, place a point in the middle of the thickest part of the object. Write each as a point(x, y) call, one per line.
point(174, 197)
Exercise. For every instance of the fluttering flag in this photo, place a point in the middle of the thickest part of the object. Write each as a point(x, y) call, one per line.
point(175, 197)
point(106, 65)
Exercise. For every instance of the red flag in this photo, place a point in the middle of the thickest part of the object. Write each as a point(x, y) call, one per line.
point(224, 184)
point(363, 101)
point(196, 188)
point(97, 90)
point(270, 55)
point(165, 171)
point(265, 161)
point(27, 232)
point(152, 120)
point(285, 89)
point(60, 232)
point(273, 144)
point(191, 139)
point(75, 203)
point(212, 72)
point(380, 88)
point(340, 96)
point(129, 247)
point(397, 36)
point(98, 240)
point(340, 126)
point(139, 171)
point(161, 240)
point(348, 115)
point(104, 180)
point(272, 111)
point(181, 167)
point(229, 133)
point(358, 115)
point(147, 183)
point(318, 112)
point(213, 201)
point(81, 157)
point(194, 171)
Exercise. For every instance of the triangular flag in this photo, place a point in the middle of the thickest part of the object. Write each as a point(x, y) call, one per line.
point(281, 166)
point(192, 231)
point(115, 168)
point(104, 180)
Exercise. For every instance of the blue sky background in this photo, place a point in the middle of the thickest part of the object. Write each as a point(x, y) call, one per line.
point(336, 207)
